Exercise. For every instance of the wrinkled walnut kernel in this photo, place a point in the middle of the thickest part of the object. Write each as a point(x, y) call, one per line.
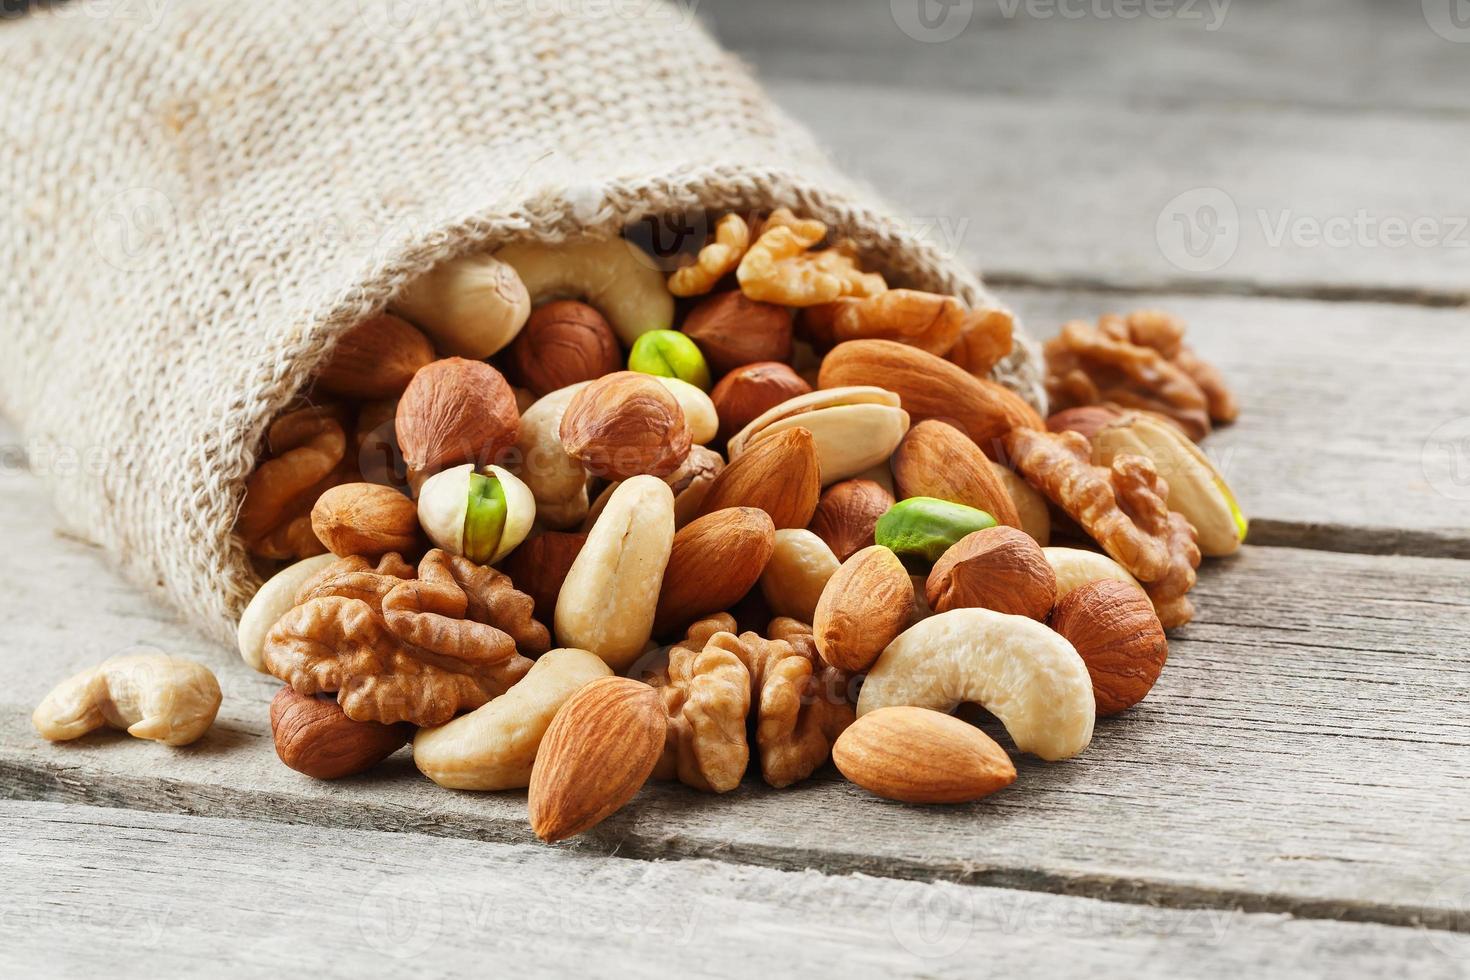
point(706, 693)
point(308, 447)
point(780, 267)
point(716, 260)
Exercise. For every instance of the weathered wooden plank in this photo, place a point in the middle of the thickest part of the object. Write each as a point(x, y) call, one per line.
point(90, 891)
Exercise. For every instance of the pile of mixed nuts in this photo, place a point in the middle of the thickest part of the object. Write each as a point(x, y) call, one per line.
point(764, 504)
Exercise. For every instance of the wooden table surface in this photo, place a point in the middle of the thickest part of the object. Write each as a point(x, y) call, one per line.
point(1291, 800)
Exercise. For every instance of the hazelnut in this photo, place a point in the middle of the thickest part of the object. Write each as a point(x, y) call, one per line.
point(999, 568)
point(563, 343)
point(733, 330)
point(1114, 628)
point(375, 359)
point(624, 425)
point(749, 392)
point(455, 411)
point(847, 514)
point(314, 736)
point(365, 519)
point(472, 306)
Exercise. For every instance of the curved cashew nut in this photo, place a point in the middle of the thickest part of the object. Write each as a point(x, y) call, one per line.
point(274, 599)
point(494, 746)
point(615, 276)
point(556, 480)
point(152, 695)
point(1076, 568)
point(471, 307)
point(1029, 677)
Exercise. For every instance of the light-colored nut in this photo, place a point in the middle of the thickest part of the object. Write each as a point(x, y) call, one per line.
point(375, 359)
point(937, 460)
point(624, 425)
point(455, 411)
point(557, 480)
point(999, 568)
point(915, 755)
point(699, 410)
point(854, 428)
point(928, 321)
point(483, 515)
point(734, 330)
point(615, 276)
point(780, 268)
point(597, 753)
point(750, 391)
point(471, 306)
point(365, 519)
point(717, 259)
point(847, 515)
point(921, 529)
point(314, 736)
point(863, 606)
point(1022, 672)
point(494, 746)
point(1030, 505)
point(540, 566)
point(272, 601)
point(1115, 630)
point(780, 475)
point(148, 695)
point(798, 571)
point(563, 343)
point(691, 482)
point(1075, 567)
point(714, 561)
point(608, 601)
point(669, 354)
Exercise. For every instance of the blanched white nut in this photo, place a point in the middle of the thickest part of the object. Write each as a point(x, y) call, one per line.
point(854, 428)
point(699, 410)
point(608, 600)
point(275, 598)
point(556, 480)
point(1030, 504)
point(615, 276)
point(483, 516)
point(1076, 568)
point(471, 307)
point(494, 746)
point(1025, 674)
point(149, 695)
point(797, 573)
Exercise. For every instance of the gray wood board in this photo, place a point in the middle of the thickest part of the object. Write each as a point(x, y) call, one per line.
point(87, 889)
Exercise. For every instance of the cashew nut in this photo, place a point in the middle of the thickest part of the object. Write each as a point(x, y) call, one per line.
point(1026, 675)
point(557, 481)
point(797, 573)
point(854, 428)
point(274, 599)
point(608, 600)
point(616, 276)
point(471, 306)
point(494, 746)
point(1076, 568)
point(150, 695)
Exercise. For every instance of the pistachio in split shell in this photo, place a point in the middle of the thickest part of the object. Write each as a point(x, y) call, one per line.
point(483, 515)
point(669, 354)
point(854, 428)
point(471, 307)
point(921, 529)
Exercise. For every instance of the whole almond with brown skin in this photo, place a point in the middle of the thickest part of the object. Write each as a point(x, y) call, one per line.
point(863, 608)
point(314, 736)
point(779, 474)
point(540, 565)
point(999, 568)
point(597, 753)
point(564, 342)
point(915, 755)
point(937, 460)
point(626, 424)
point(1119, 637)
point(748, 392)
point(715, 561)
point(375, 359)
point(733, 330)
point(847, 513)
point(932, 388)
point(365, 519)
point(455, 411)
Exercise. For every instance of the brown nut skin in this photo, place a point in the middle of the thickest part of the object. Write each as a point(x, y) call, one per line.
point(375, 359)
point(314, 736)
point(365, 519)
point(540, 566)
point(748, 392)
point(564, 342)
point(1119, 637)
point(714, 562)
point(455, 411)
point(626, 424)
point(1086, 419)
point(915, 755)
point(780, 474)
point(733, 330)
point(863, 607)
point(847, 513)
point(999, 568)
point(937, 460)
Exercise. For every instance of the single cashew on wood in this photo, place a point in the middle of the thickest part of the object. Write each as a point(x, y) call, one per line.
point(152, 695)
point(614, 276)
point(1025, 674)
point(493, 747)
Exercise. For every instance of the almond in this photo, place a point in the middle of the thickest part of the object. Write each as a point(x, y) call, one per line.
point(375, 359)
point(931, 388)
point(1114, 628)
point(915, 755)
point(999, 568)
point(315, 737)
point(862, 609)
point(847, 513)
point(779, 474)
point(626, 424)
point(715, 561)
point(365, 519)
point(455, 411)
point(937, 460)
point(597, 753)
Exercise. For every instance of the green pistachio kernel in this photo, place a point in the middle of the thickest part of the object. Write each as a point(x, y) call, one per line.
point(921, 529)
point(484, 518)
point(670, 354)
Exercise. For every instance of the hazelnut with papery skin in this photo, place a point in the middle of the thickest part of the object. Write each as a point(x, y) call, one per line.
point(563, 343)
point(733, 330)
point(749, 392)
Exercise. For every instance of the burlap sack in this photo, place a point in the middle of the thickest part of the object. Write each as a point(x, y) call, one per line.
point(200, 196)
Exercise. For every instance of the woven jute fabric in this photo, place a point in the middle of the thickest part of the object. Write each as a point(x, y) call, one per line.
point(200, 197)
